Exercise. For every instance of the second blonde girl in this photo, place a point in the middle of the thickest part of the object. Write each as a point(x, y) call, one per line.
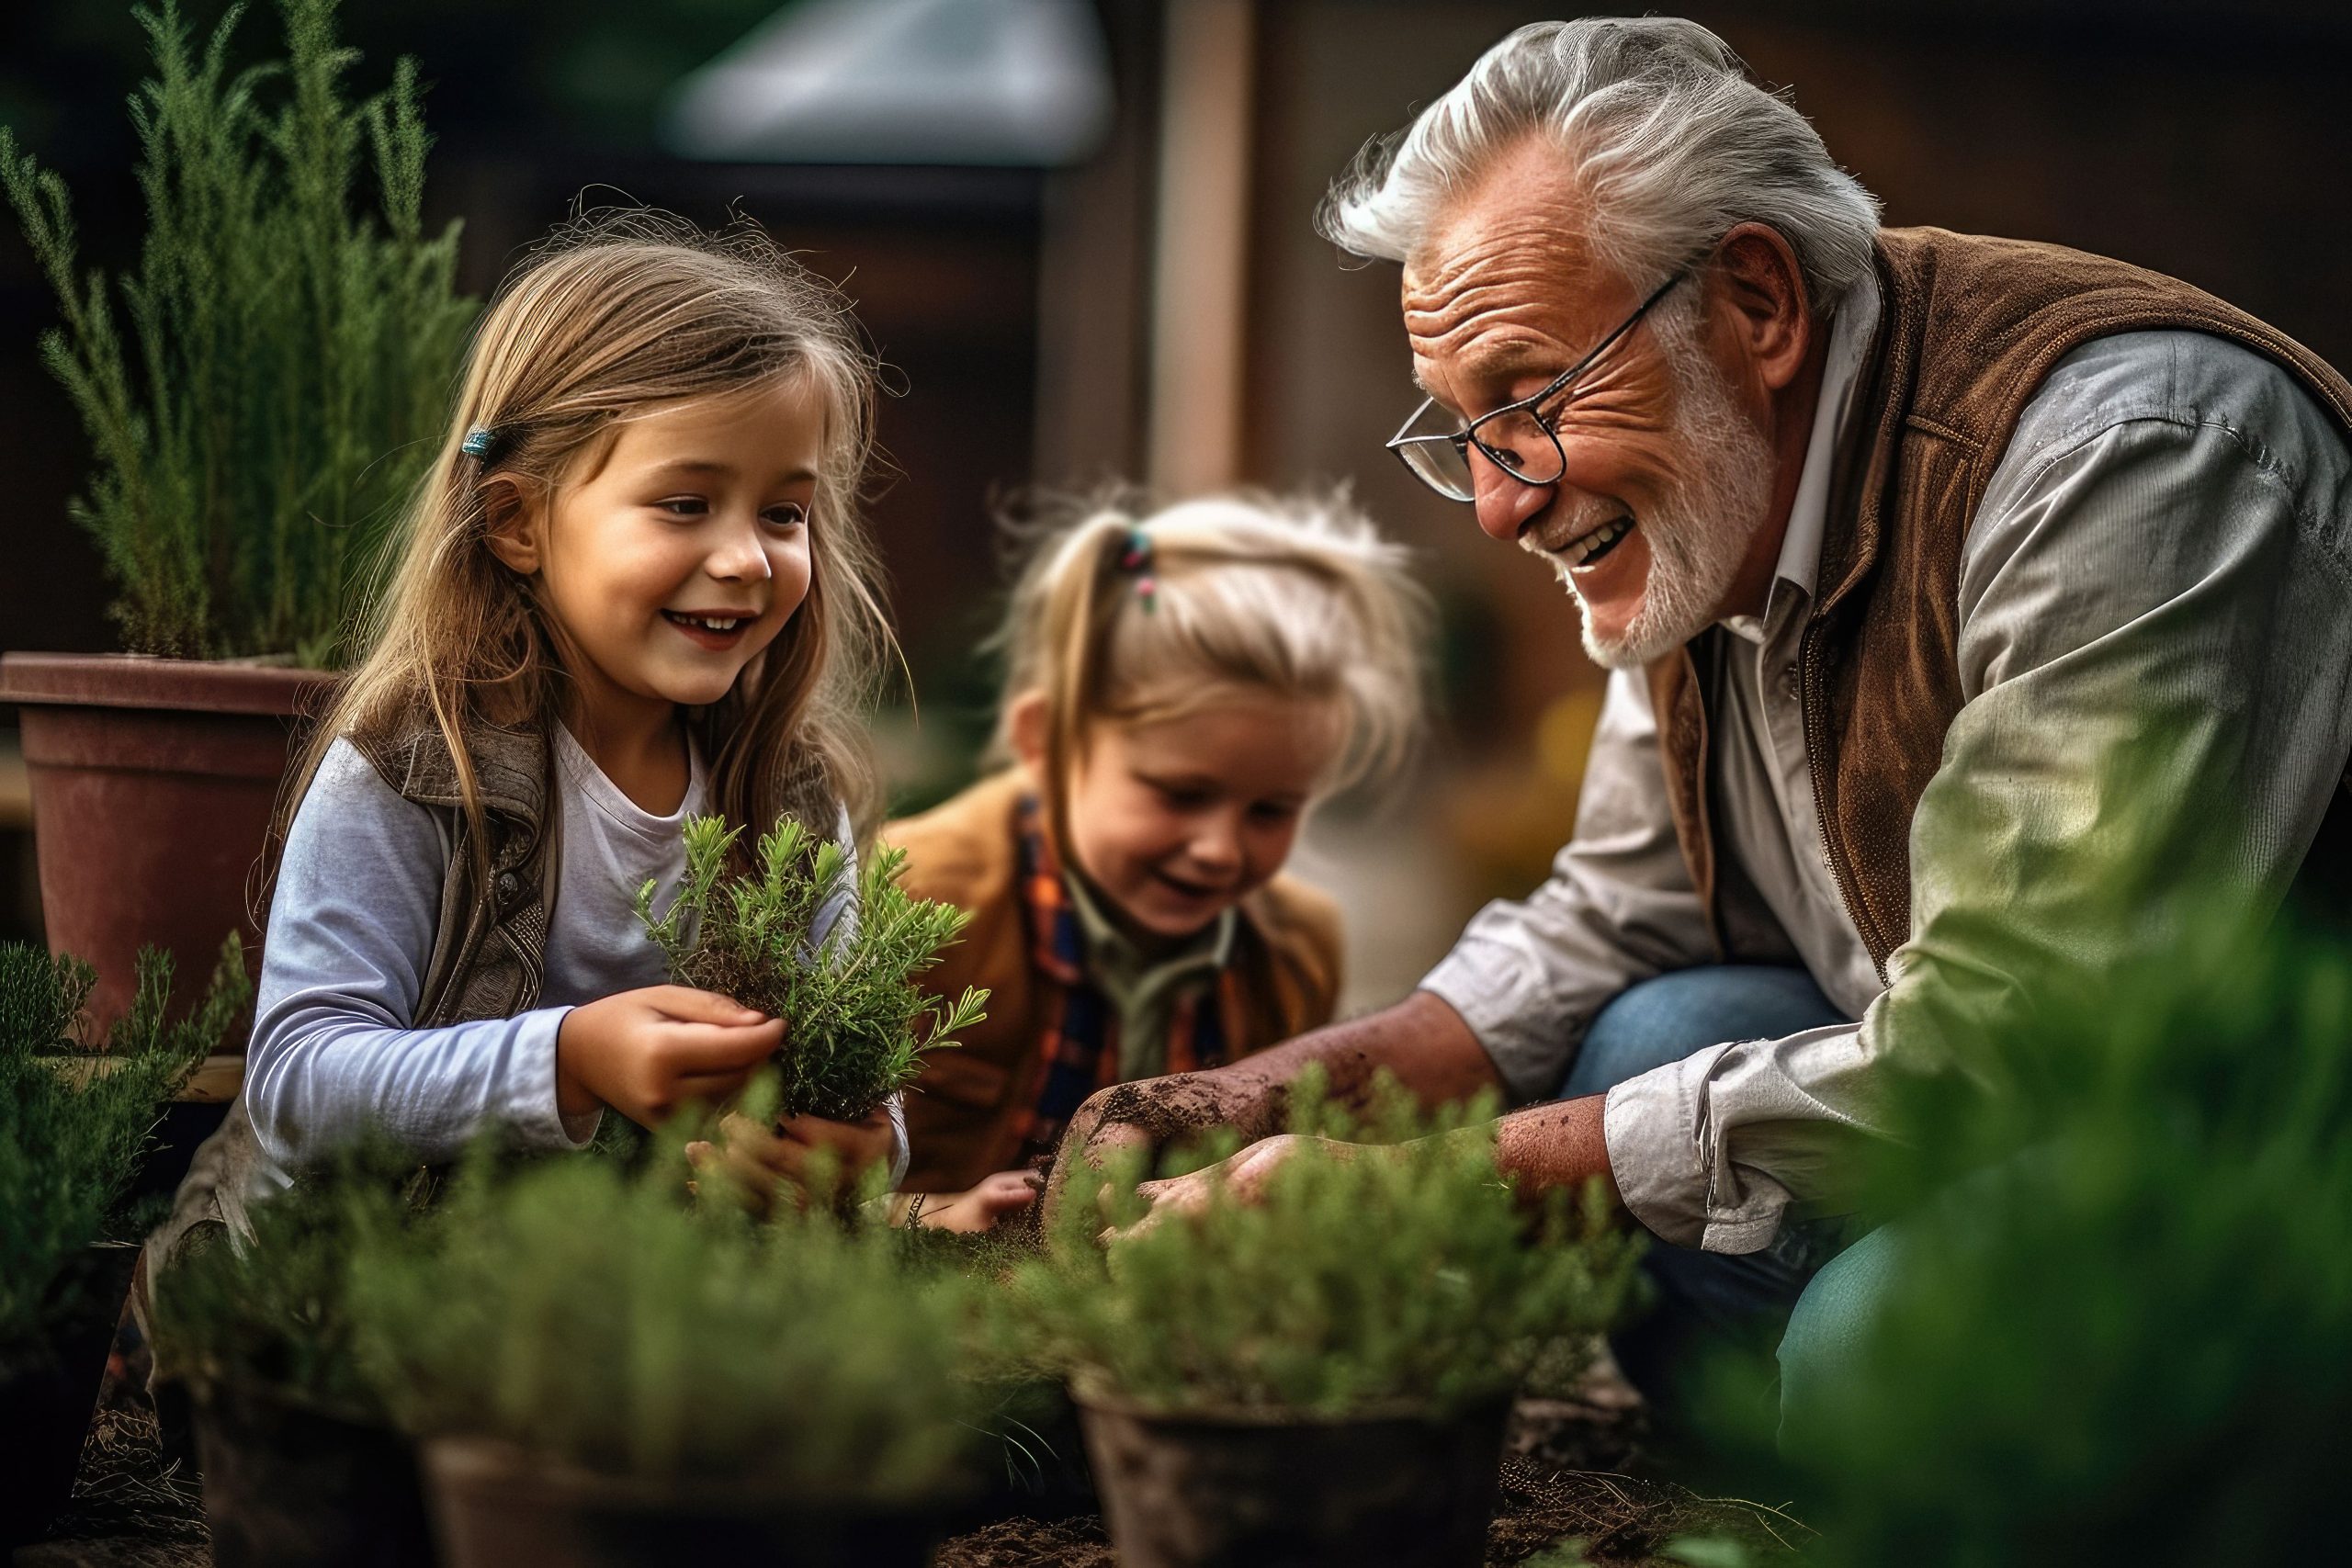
point(1181, 688)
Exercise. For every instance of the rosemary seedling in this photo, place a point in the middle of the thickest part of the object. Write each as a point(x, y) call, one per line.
point(1364, 1277)
point(74, 1123)
point(837, 957)
point(588, 1315)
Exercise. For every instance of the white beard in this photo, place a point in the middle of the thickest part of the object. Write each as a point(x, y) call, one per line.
point(1700, 530)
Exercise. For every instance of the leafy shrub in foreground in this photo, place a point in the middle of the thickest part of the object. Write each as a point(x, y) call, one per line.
point(2117, 1332)
point(857, 1024)
point(1404, 1271)
point(596, 1318)
point(74, 1124)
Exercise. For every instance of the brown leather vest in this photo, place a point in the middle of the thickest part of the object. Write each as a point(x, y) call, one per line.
point(1969, 328)
point(490, 943)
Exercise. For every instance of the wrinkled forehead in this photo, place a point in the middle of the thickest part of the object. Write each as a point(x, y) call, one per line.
point(1508, 275)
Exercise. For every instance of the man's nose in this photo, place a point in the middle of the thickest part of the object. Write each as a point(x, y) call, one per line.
point(1505, 502)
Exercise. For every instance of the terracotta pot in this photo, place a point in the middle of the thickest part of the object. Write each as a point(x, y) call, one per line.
point(49, 1392)
point(1382, 1490)
point(289, 1485)
point(495, 1505)
point(152, 784)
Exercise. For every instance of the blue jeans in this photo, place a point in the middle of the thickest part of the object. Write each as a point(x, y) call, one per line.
point(1805, 1296)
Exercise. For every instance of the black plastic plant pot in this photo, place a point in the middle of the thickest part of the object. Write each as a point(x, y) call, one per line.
point(289, 1485)
point(50, 1390)
point(495, 1505)
point(1383, 1489)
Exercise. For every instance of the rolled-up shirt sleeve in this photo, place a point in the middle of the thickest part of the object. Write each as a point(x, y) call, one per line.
point(2155, 653)
point(351, 928)
point(1529, 975)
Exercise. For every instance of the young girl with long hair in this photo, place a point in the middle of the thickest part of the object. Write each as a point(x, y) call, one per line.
point(635, 586)
point(1181, 688)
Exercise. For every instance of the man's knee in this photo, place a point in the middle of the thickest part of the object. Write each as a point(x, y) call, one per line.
point(1826, 1329)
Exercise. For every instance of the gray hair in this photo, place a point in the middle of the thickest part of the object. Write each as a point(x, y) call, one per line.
point(1670, 143)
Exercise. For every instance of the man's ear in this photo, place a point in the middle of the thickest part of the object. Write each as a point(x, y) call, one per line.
point(1757, 276)
point(1025, 727)
point(518, 524)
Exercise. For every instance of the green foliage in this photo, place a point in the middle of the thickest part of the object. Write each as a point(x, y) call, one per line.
point(273, 1310)
point(72, 1123)
point(2117, 1333)
point(1406, 1271)
point(595, 1318)
point(289, 362)
point(857, 1024)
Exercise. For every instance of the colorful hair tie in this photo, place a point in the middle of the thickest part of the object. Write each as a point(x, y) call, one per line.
point(480, 442)
point(1138, 559)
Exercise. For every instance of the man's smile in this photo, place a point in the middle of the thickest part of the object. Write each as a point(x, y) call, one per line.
point(1576, 544)
point(1587, 551)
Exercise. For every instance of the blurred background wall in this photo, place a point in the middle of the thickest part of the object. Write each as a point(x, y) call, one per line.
point(1127, 285)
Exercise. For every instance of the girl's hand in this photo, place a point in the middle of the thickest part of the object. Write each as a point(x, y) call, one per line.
point(1241, 1178)
point(1006, 1192)
point(648, 1052)
point(757, 1161)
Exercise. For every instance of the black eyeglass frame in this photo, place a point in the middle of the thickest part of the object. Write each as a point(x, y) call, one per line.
point(1462, 440)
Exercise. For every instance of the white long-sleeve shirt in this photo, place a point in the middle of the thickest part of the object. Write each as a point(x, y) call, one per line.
point(351, 933)
point(2168, 532)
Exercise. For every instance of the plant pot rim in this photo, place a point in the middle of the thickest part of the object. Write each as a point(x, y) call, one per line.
point(149, 681)
point(1095, 1394)
point(472, 1457)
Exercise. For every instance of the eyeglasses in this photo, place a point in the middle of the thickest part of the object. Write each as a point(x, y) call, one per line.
point(1514, 437)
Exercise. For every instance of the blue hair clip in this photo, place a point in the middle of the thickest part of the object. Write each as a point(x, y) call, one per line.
point(479, 443)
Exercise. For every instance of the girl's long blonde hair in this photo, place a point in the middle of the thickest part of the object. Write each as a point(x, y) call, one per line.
point(1125, 617)
point(617, 313)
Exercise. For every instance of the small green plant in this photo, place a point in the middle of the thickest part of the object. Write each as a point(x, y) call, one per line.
point(272, 1309)
point(593, 1317)
point(73, 1123)
point(289, 361)
point(857, 1022)
point(1407, 1271)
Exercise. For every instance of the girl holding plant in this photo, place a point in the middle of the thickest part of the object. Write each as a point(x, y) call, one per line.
point(1183, 688)
point(635, 588)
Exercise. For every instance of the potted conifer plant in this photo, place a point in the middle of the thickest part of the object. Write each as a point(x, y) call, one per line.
point(606, 1375)
point(1321, 1375)
point(300, 1463)
point(72, 1126)
point(262, 391)
point(771, 938)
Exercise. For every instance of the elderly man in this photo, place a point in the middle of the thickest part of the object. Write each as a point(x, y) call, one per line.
point(1943, 581)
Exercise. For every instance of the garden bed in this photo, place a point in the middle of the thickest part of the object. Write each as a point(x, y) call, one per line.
point(1564, 1477)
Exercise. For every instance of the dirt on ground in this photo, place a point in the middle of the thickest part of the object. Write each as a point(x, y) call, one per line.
point(1564, 1476)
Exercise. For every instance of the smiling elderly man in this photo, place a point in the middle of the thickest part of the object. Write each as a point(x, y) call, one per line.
point(1945, 582)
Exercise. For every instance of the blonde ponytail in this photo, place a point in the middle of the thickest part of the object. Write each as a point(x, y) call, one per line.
point(1129, 618)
